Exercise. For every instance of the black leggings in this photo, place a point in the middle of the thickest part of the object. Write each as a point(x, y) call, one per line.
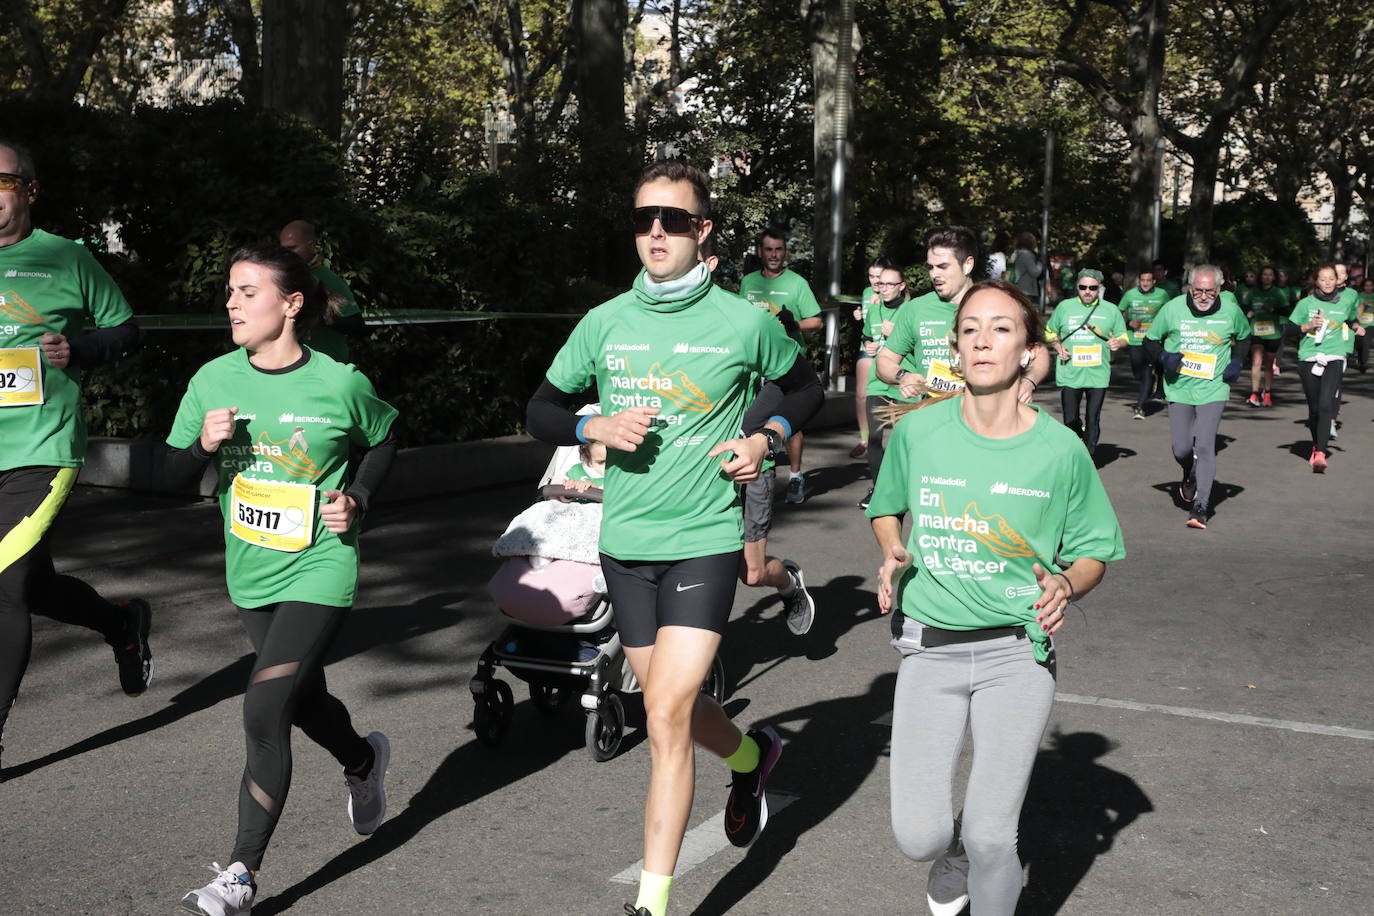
point(30, 499)
point(1143, 370)
point(1071, 399)
point(872, 404)
point(1323, 399)
point(649, 594)
point(287, 687)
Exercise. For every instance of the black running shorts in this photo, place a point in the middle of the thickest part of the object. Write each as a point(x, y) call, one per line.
point(648, 594)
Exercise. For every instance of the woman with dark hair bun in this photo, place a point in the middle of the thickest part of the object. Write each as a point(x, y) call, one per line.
point(279, 421)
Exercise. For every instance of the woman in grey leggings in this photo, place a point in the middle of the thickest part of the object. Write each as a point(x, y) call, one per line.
point(1010, 523)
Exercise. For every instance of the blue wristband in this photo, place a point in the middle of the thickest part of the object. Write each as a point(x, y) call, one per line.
point(581, 424)
point(786, 427)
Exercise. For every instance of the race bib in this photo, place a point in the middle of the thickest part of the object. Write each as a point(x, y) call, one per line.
point(21, 377)
point(266, 513)
point(1367, 319)
point(942, 377)
point(1264, 328)
point(1199, 365)
point(1090, 355)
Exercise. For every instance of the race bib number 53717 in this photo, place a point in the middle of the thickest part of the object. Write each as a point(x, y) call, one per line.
point(267, 513)
point(21, 377)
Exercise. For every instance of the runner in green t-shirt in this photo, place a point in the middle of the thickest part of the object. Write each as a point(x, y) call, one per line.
point(280, 423)
point(1198, 340)
point(50, 289)
point(675, 361)
point(1009, 524)
point(1366, 319)
point(1085, 332)
point(345, 319)
point(1267, 308)
point(880, 394)
point(787, 297)
point(1139, 305)
point(863, 360)
point(1326, 321)
point(1162, 279)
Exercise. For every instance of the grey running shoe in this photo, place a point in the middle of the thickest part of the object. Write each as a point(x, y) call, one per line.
point(132, 656)
point(796, 490)
point(367, 794)
point(947, 885)
point(230, 894)
point(801, 610)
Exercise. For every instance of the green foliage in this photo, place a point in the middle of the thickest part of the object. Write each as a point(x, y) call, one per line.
point(1253, 231)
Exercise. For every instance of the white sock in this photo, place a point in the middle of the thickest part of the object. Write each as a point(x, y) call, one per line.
point(790, 589)
point(793, 475)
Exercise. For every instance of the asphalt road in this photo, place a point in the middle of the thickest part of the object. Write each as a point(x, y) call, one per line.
point(1210, 751)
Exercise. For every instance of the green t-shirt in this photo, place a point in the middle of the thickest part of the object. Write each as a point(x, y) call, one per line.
point(1367, 309)
point(48, 284)
point(696, 358)
point(877, 315)
point(787, 292)
point(983, 511)
point(579, 472)
point(1267, 309)
point(1142, 307)
point(325, 339)
point(1084, 331)
point(1170, 287)
point(921, 336)
point(1205, 342)
point(1338, 338)
point(293, 427)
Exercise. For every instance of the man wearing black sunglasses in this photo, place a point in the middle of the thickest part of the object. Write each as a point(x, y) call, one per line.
point(787, 296)
point(675, 362)
point(50, 288)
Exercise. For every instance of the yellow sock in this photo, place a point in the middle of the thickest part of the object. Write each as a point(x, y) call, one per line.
point(653, 893)
point(745, 759)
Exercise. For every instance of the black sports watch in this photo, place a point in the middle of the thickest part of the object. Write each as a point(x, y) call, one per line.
point(900, 373)
point(775, 443)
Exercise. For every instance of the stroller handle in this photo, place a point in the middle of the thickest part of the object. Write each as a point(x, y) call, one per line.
point(558, 491)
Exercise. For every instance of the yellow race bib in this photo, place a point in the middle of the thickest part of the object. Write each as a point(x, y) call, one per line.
point(271, 514)
point(1199, 365)
point(21, 377)
point(942, 377)
point(1264, 328)
point(1086, 357)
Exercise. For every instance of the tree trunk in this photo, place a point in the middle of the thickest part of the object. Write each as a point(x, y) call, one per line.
point(1206, 164)
point(1140, 223)
point(1343, 188)
point(823, 22)
point(605, 170)
point(243, 29)
point(46, 82)
point(302, 60)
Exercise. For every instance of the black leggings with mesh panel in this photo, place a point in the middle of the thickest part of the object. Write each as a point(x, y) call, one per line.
point(287, 687)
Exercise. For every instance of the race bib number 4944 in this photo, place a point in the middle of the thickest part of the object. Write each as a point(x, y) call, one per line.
point(266, 513)
point(21, 377)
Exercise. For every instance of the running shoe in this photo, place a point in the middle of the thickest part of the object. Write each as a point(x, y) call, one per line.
point(1198, 517)
point(1335, 429)
point(801, 610)
point(1138, 414)
point(1318, 461)
point(1254, 400)
point(367, 794)
point(229, 894)
point(746, 811)
point(631, 911)
point(947, 885)
point(868, 497)
point(1187, 490)
point(859, 450)
point(796, 489)
point(133, 658)
point(1267, 399)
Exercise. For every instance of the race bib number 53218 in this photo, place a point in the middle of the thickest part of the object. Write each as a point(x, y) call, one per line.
point(21, 377)
point(267, 513)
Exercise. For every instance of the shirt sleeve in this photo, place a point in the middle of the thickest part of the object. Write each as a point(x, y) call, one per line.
point(1162, 325)
point(1240, 325)
point(807, 306)
point(1090, 527)
point(776, 350)
point(190, 417)
point(1116, 324)
point(372, 417)
point(574, 367)
point(890, 490)
point(105, 304)
point(902, 340)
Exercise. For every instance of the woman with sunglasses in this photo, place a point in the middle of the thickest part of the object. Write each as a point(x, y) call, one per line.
point(1085, 332)
point(1326, 323)
point(675, 361)
point(879, 395)
point(1009, 524)
point(281, 423)
point(868, 348)
point(1198, 339)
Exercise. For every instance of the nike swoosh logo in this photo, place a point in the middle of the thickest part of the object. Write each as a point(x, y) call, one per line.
point(683, 588)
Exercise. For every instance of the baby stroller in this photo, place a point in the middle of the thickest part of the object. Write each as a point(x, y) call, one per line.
point(561, 639)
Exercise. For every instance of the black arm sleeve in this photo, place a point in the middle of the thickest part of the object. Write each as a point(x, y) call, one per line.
point(372, 470)
point(1292, 330)
point(1153, 348)
point(802, 395)
point(1240, 349)
point(352, 325)
point(105, 344)
point(182, 467)
point(549, 415)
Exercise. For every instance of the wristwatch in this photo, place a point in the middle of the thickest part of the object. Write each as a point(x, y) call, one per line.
point(775, 443)
point(900, 373)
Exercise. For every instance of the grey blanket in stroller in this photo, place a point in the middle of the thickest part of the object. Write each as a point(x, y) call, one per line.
point(554, 530)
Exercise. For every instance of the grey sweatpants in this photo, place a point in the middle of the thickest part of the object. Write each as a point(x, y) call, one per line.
point(1194, 431)
point(1003, 696)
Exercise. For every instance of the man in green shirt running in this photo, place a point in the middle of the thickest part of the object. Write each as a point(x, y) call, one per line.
point(51, 290)
point(331, 337)
point(1139, 305)
point(787, 297)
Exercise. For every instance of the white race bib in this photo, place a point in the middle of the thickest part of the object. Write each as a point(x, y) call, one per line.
point(1264, 328)
point(1088, 356)
point(271, 514)
point(21, 377)
point(1199, 365)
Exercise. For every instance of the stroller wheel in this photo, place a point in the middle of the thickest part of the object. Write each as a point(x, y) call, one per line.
point(548, 700)
point(714, 685)
point(492, 716)
point(605, 728)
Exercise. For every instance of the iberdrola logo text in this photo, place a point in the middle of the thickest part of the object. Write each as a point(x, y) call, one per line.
point(1002, 488)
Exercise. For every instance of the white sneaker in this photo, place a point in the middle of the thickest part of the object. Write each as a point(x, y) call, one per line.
point(947, 886)
point(367, 796)
point(801, 610)
point(229, 894)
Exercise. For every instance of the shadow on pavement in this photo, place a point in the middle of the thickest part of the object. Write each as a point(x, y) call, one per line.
point(1073, 811)
point(1107, 453)
point(376, 627)
point(822, 480)
point(1220, 493)
point(826, 780)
